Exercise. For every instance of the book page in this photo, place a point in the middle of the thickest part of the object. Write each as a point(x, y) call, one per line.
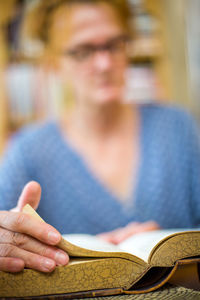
point(93, 246)
point(141, 244)
point(87, 245)
point(136, 248)
point(91, 242)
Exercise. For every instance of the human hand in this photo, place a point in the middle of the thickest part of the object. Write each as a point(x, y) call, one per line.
point(120, 234)
point(26, 241)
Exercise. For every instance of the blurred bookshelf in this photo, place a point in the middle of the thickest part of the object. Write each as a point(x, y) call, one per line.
point(158, 63)
point(193, 42)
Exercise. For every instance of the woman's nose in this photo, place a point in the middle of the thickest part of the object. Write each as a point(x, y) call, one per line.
point(102, 60)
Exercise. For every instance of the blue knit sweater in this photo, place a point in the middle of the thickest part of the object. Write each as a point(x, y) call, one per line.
point(74, 201)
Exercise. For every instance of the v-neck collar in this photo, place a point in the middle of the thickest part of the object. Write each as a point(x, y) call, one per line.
point(86, 172)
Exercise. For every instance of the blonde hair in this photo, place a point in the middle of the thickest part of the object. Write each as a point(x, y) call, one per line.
point(37, 21)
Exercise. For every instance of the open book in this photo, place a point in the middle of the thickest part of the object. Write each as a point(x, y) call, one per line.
point(140, 264)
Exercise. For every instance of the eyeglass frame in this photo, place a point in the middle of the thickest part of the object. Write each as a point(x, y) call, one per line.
point(90, 50)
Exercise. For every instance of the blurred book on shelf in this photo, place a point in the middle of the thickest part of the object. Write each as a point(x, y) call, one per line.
point(193, 42)
point(143, 84)
point(146, 44)
point(20, 93)
point(33, 94)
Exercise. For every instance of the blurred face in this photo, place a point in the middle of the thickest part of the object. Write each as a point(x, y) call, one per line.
point(92, 46)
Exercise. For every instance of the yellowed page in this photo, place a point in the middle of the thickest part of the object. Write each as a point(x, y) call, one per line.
point(141, 244)
point(138, 248)
point(91, 242)
point(73, 249)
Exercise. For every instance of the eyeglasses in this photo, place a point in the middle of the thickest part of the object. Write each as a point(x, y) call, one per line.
point(115, 47)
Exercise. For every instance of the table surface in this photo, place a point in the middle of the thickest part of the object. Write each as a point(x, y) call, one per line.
point(167, 292)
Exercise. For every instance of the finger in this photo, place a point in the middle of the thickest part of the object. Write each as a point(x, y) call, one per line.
point(124, 233)
point(108, 236)
point(118, 235)
point(32, 245)
point(24, 223)
point(11, 264)
point(111, 237)
point(148, 226)
point(31, 260)
point(133, 228)
point(31, 195)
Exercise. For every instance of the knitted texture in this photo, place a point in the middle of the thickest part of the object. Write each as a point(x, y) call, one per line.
point(167, 189)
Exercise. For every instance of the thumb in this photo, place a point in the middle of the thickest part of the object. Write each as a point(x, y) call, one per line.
point(31, 195)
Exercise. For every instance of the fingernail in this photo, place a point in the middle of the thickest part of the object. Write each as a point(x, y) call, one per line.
point(48, 264)
point(61, 258)
point(53, 237)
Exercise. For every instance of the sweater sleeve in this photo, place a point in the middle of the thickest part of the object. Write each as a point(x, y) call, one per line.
point(194, 158)
point(13, 174)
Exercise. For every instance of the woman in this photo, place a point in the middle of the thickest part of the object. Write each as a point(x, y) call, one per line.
point(107, 166)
